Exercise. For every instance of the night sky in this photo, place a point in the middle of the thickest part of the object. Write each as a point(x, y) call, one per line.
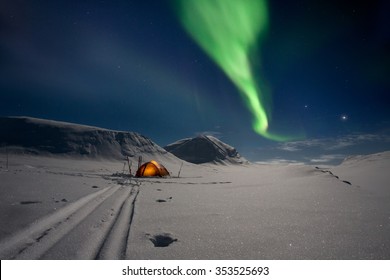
point(130, 65)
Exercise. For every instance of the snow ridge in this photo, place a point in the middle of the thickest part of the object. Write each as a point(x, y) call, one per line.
point(38, 136)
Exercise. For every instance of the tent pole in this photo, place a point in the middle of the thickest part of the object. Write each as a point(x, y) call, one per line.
point(139, 161)
point(178, 174)
point(128, 162)
point(6, 153)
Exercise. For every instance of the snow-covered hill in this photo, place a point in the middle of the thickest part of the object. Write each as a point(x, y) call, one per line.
point(38, 136)
point(205, 149)
point(368, 172)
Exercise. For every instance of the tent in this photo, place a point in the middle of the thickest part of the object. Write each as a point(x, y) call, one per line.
point(151, 169)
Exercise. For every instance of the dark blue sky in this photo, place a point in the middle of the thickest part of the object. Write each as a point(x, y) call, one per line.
point(129, 65)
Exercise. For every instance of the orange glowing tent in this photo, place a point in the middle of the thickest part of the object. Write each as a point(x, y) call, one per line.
point(152, 169)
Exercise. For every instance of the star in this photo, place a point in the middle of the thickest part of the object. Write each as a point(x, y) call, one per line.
point(344, 117)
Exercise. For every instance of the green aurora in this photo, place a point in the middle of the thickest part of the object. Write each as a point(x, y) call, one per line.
point(228, 31)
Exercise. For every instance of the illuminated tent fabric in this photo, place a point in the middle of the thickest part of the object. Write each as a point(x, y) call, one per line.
point(151, 169)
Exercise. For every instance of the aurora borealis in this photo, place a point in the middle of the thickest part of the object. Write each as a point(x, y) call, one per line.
point(142, 66)
point(228, 31)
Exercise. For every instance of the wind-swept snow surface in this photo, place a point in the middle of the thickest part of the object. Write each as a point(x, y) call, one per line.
point(369, 172)
point(63, 208)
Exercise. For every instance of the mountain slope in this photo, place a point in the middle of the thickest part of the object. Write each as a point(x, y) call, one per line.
point(205, 149)
point(41, 136)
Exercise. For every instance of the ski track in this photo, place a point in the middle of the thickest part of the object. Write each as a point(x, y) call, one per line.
point(96, 226)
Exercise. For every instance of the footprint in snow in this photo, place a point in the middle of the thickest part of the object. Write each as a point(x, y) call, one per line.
point(164, 200)
point(62, 200)
point(161, 240)
point(30, 202)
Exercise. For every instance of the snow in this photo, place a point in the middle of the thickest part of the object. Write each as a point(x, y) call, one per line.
point(81, 209)
point(261, 212)
point(63, 203)
point(369, 172)
point(205, 149)
point(47, 137)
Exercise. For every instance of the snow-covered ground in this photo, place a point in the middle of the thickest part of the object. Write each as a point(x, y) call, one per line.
point(68, 208)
